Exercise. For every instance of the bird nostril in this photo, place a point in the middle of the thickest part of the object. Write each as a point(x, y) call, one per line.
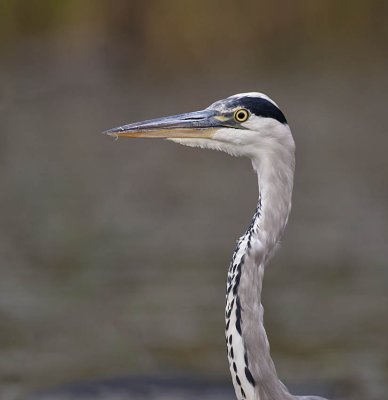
point(191, 118)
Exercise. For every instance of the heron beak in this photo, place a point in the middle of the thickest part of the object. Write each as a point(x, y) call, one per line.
point(197, 124)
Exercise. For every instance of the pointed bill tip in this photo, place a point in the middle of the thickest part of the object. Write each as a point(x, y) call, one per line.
point(114, 132)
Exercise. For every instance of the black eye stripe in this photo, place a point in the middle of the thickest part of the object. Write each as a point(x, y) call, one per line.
point(257, 106)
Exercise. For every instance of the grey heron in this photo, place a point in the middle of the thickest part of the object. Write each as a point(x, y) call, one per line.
point(251, 125)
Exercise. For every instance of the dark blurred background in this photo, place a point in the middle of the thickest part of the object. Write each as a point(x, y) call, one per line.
point(113, 255)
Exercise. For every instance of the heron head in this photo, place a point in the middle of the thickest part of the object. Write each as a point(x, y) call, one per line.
point(237, 125)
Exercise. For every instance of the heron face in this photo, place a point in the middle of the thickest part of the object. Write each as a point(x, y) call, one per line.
point(237, 125)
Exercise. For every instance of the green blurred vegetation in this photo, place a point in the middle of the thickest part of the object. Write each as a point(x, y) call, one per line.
point(193, 31)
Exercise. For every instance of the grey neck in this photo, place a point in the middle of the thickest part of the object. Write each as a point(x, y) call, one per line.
point(253, 371)
point(275, 177)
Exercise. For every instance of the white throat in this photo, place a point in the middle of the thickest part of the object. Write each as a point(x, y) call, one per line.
point(252, 369)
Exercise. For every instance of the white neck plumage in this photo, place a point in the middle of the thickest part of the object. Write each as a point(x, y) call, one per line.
point(253, 372)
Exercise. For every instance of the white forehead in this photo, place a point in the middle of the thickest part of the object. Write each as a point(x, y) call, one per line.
point(253, 94)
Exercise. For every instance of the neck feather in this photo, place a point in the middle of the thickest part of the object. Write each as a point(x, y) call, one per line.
point(253, 371)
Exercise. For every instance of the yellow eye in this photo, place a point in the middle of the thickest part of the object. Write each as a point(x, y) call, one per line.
point(241, 115)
